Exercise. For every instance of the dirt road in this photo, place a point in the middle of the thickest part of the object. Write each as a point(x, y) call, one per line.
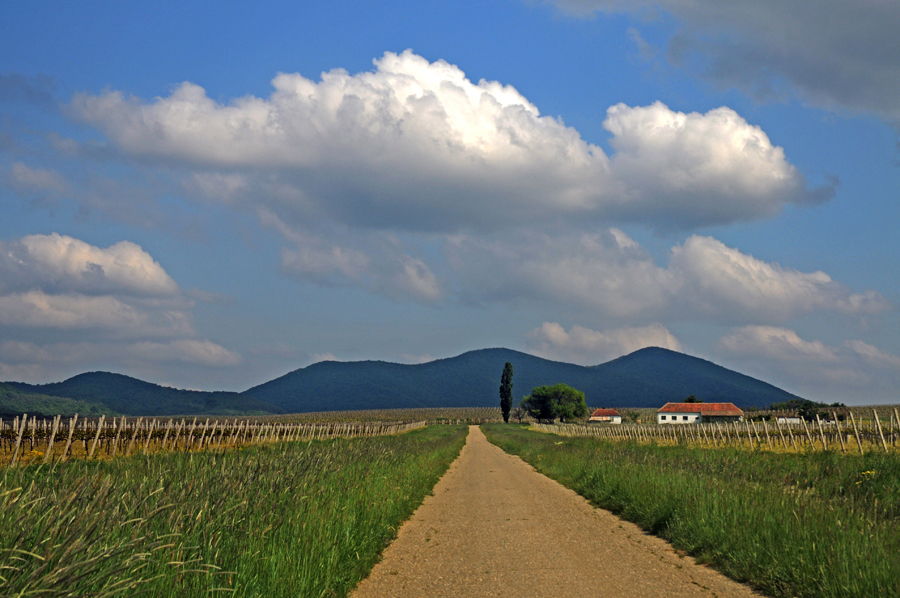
point(496, 527)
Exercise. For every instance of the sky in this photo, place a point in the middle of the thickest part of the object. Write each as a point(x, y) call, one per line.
point(210, 195)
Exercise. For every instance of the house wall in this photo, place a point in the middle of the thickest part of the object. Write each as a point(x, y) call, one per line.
point(677, 418)
point(607, 419)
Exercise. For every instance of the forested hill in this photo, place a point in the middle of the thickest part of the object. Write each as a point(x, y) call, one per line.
point(130, 396)
point(646, 378)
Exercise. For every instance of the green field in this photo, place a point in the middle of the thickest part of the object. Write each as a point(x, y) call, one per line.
point(816, 524)
point(286, 519)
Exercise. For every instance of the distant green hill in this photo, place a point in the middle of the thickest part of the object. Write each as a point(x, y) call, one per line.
point(130, 396)
point(646, 378)
point(15, 402)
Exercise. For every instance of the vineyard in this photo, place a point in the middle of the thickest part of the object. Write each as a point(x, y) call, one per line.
point(849, 436)
point(269, 518)
point(28, 440)
point(430, 415)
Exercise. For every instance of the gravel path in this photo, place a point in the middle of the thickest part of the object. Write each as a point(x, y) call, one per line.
point(496, 527)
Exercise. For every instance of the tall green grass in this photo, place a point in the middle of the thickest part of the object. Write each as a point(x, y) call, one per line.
point(814, 524)
point(288, 519)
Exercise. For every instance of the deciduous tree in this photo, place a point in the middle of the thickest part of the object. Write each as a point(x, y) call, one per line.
point(547, 403)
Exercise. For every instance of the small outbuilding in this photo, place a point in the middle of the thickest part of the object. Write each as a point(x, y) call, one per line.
point(606, 416)
point(697, 413)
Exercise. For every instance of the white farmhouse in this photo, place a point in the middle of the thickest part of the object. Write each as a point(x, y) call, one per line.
point(696, 413)
point(607, 416)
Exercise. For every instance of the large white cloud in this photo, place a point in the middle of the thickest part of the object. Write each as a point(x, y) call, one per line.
point(854, 372)
point(772, 342)
point(832, 53)
point(590, 347)
point(721, 282)
point(610, 274)
point(415, 145)
point(66, 304)
point(59, 263)
point(677, 168)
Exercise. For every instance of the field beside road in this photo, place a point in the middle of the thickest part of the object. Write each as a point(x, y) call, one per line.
point(301, 518)
point(816, 524)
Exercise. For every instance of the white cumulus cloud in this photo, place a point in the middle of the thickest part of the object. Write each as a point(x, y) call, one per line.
point(854, 372)
point(415, 145)
point(60, 263)
point(722, 282)
point(776, 343)
point(66, 304)
point(684, 170)
point(611, 274)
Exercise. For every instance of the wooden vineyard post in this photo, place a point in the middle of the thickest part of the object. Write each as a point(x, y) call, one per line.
point(137, 426)
point(840, 433)
point(97, 436)
point(72, 422)
point(878, 425)
point(891, 427)
point(189, 441)
point(151, 425)
point(821, 432)
point(212, 434)
point(52, 438)
point(897, 418)
point(222, 435)
point(178, 428)
point(19, 439)
point(856, 433)
point(118, 435)
point(766, 430)
point(203, 435)
point(165, 439)
point(808, 435)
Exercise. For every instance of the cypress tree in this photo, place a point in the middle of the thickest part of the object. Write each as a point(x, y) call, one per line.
point(506, 389)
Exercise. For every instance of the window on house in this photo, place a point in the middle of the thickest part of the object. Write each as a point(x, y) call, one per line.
point(684, 418)
point(662, 417)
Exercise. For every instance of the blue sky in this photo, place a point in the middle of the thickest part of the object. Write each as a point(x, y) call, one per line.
point(211, 195)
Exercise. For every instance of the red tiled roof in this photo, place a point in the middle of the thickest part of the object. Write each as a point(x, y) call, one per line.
point(605, 413)
point(727, 409)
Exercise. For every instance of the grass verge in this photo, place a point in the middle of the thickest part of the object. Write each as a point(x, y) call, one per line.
point(288, 519)
point(815, 524)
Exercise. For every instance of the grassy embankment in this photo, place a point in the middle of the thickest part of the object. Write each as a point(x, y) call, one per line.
point(816, 524)
point(288, 519)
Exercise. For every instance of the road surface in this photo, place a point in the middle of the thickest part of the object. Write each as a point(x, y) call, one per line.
point(496, 527)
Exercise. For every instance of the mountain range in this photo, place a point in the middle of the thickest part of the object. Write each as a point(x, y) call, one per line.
point(646, 378)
